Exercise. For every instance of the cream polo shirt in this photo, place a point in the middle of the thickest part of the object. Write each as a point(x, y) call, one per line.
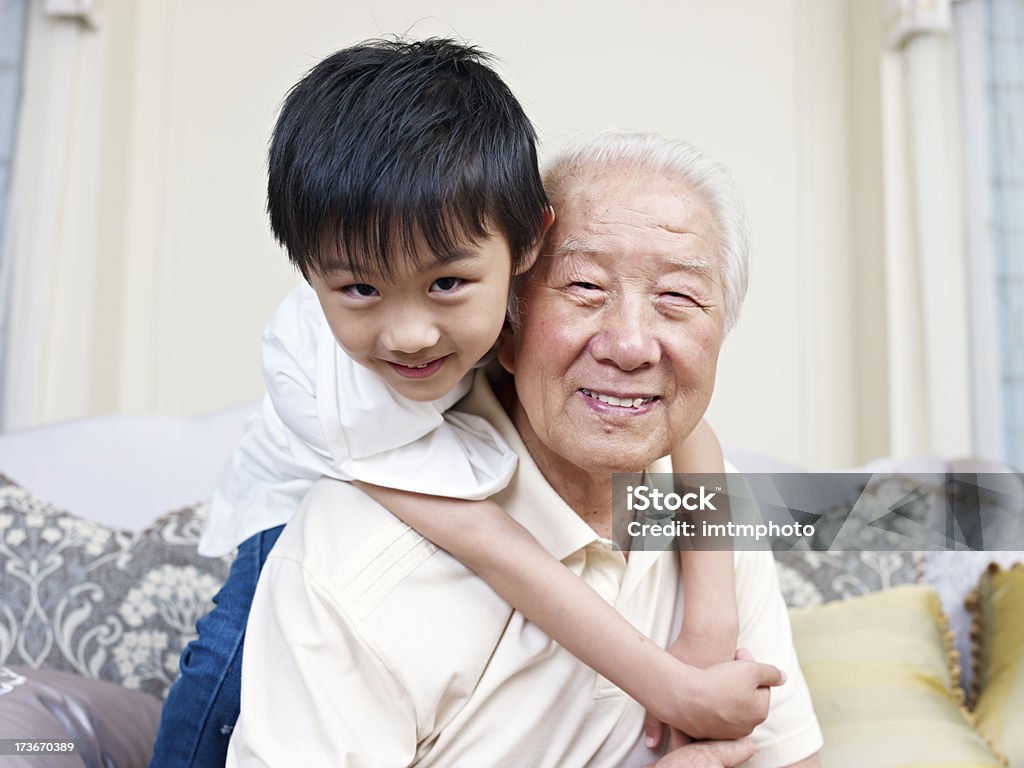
point(368, 647)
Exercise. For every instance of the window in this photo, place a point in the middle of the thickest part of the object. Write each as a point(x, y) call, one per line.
point(13, 19)
point(990, 52)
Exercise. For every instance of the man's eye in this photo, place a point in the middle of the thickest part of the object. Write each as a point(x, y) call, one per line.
point(681, 298)
point(586, 286)
point(359, 290)
point(446, 284)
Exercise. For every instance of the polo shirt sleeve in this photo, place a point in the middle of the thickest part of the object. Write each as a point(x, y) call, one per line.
point(313, 693)
point(791, 732)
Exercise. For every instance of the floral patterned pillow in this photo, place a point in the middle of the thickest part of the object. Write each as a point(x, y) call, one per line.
point(883, 556)
point(105, 603)
point(812, 578)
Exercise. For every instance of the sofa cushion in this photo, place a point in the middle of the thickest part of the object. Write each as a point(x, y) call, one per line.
point(101, 602)
point(881, 670)
point(955, 575)
point(110, 725)
point(998, 634)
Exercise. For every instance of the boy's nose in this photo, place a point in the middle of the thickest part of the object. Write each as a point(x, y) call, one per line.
point(411, 333)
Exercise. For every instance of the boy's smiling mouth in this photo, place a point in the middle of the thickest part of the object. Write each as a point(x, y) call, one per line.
point(418, 370)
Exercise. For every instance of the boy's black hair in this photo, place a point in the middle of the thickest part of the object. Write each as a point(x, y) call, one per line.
point(389, 140)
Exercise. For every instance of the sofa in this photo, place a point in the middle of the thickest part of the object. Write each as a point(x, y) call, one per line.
point(100, 588)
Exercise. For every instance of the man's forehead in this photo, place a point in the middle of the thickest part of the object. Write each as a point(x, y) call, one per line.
point(659, 201)
point(570, 252)
point(605, 210)
point(676, 247)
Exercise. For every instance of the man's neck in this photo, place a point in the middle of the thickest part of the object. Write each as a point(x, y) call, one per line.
point(587, 493)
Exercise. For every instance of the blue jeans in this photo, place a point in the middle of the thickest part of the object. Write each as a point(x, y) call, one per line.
point(202, 704)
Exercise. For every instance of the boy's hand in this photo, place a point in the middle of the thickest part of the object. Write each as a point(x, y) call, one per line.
point(726, 701)
point(698, 651)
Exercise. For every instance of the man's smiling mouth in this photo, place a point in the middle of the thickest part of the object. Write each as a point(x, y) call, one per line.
point(622, 402)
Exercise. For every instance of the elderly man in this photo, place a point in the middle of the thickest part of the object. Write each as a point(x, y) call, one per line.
point(367, 646)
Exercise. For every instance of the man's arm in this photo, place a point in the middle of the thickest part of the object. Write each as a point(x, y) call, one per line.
point(313, 694)
point(708, 754)
point(719, 754)
point(791, 733)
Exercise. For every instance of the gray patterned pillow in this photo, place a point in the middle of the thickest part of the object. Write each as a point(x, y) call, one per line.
point(105, 603)
point(883, 556)
point(811, 578)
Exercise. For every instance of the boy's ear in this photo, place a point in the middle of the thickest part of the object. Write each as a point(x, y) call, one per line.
point(531, 257)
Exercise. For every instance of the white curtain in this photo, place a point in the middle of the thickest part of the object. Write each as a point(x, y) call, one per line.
point(925, 282)
point(51, 243)
point(955, 205)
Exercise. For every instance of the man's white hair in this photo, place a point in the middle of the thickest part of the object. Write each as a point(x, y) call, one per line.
point(654, 153)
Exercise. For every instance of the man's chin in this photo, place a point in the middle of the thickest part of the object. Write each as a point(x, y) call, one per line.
point(596, 463)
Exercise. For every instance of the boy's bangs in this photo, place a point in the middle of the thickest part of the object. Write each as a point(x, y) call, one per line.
point(422, 220)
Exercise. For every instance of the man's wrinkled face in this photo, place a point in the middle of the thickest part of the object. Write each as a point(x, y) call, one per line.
point(622, 321)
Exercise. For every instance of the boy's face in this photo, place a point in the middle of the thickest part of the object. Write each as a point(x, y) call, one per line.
point(422, 328)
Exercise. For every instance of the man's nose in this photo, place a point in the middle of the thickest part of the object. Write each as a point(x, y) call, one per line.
point(409, 331)
point(628, 337)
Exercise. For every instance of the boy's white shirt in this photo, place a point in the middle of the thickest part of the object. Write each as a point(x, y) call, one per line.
point(324, 415)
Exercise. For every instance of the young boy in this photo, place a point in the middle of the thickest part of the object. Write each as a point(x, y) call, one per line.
point(403, 182)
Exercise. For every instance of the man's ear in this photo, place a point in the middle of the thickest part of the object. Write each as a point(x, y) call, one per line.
point(507, 348)
point(530, 258)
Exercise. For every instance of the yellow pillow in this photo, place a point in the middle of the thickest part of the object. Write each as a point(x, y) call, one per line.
point(883, 676)
point(998, 633)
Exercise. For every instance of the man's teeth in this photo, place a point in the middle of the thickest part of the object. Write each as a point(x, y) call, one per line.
point(622, 402)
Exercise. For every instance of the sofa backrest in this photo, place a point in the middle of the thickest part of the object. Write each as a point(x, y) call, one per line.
point(123, 471)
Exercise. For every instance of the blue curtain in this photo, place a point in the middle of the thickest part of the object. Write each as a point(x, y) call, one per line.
point(1005, 92)
point(13, 19)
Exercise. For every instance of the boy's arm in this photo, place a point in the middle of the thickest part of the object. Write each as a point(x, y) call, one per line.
point(725, 702)
point(710, 621)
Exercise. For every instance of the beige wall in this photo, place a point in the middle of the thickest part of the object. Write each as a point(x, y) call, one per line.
point(785, 92)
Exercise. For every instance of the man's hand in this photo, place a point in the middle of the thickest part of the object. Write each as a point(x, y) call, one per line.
point(709, 754)
point(727, 701)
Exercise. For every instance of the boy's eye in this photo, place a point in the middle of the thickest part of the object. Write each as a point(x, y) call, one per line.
point(445, 284)
point(361, 290)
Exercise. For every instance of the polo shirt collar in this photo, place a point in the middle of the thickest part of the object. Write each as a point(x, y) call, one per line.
point(529, 499)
